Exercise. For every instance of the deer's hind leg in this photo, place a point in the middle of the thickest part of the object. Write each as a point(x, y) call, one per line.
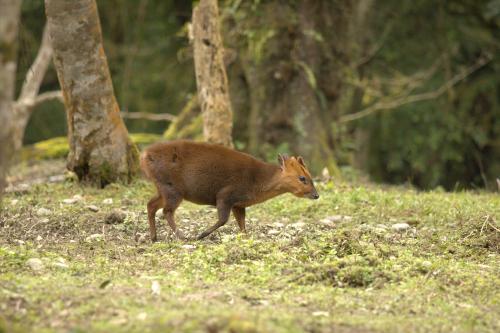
point(171, 200)
point(153, 206)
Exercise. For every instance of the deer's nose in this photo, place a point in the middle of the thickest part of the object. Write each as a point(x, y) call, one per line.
point(314, 195)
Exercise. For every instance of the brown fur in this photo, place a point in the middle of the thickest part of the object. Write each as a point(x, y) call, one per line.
point(214, 175)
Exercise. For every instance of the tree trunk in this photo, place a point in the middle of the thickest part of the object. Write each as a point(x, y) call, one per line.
point(9, 22)
point(100, 149)
point(291, 55)
point(211, 79)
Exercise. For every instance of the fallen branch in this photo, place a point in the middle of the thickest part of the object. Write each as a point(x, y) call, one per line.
point(379, 106)
point(148, 116)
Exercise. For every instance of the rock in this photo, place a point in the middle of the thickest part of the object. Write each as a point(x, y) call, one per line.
point(142, 316)
point(35, 264)
point(155, 288)
point(278, 225)
point(298, 225)
point(93, 208)
point(325, 174)
point(56, 178)
point(141, 238)
point(320, 314)
point(39, 238)
point(334, 218)
point(400, 227)
point(108, 201)
point(273, 232)
point(327, 222)
point(426, 264)
point(94, 237)
point(14, 202)
point(188, 246)
point(43, 212)
point(73, 200)
point(60, 263)
point(115, 217)
point(337, 218)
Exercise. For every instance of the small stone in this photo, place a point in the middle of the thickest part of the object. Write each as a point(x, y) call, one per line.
point(327, 222)
point(56, 178)
point(115, 217)
point(73, 200)
point(400, 227)
point(273, 232)
point(188, 246)
point(325, 174)
point(14, 202)
point(381, 226)
point(155, 288)
point(320, 314)
point(93, 208)
point(140, 237)
point(278, 225)
point(334, 218)
point(39, 238)
point(298, 225)
point(426, 264)
point(35, 264)
point(44, 220)
point(108, 201)
point(142, 316)
point(94, 237)
point(43, 212)
point(60, 263)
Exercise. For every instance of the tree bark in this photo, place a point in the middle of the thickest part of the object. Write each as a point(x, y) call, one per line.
point(9, 22)
point(100, 149)
point(211, 78)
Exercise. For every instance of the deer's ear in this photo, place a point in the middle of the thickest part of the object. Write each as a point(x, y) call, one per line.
point(301, 161)
point(281, 161)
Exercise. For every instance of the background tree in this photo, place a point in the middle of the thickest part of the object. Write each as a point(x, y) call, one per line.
point(100, 150)
point(367, 69)
point(211, 78)
point(9, 21)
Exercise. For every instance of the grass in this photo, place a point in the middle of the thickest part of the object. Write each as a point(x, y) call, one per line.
point(331, 265)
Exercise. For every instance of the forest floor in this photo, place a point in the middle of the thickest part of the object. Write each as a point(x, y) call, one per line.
point(362, 258)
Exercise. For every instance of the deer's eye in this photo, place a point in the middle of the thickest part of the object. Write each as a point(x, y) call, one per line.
point(303, 179)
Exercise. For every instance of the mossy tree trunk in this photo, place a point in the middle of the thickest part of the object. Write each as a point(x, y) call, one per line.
point(100, 149)
point(211, 78)
point(9, 23)
point(292, 56)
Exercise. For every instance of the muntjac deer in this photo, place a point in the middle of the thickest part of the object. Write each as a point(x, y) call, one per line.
point(211, 174)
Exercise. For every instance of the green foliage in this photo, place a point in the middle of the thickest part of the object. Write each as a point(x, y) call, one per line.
point(450, 141)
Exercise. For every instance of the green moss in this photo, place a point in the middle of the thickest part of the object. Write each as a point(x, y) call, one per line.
point(58, 147)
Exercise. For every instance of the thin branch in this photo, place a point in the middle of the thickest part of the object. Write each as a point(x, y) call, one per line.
point(35, 74)
point(148, 116)
point(417, 97)
point(30, 103)
point(47, 96)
